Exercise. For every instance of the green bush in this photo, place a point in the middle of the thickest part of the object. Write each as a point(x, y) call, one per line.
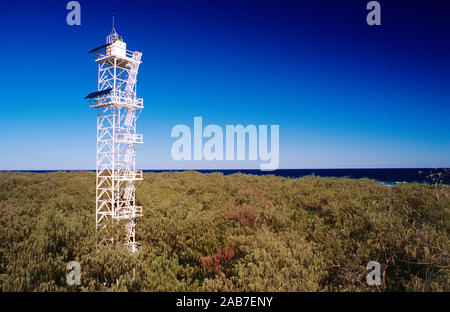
point(210, 232)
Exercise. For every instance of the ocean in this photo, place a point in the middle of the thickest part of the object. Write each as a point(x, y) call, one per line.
point(388, 176)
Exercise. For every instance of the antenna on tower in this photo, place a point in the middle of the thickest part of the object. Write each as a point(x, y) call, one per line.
point(113, 36)
point(113, 30)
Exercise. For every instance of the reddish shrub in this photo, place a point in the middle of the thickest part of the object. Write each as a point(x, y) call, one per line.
point(248, 206)
point(245, 214)
point(222, 262)
point(24, 182)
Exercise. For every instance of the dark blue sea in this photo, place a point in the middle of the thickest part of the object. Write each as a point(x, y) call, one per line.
point(389, 176)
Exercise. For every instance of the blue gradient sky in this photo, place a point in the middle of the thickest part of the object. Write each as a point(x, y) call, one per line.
point(345, 95)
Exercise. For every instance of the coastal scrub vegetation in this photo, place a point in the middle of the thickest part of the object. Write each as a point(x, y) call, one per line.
point(211, 232)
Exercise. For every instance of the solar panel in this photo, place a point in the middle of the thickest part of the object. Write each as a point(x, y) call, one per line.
point(98, 93)
point(99, 48)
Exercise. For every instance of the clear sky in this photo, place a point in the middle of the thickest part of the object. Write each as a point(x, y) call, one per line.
point(345, 95)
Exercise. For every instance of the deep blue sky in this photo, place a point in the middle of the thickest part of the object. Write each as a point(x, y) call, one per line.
point(345, 95)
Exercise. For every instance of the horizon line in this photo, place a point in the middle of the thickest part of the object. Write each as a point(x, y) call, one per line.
point(223, 169)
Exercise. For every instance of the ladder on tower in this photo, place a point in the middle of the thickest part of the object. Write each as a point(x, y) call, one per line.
point(134, 67)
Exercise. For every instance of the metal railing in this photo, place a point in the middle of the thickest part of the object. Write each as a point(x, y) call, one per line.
point(109, 51)
point(118, 97)
point(129, 175)
point(130, 138)
point(128, 212)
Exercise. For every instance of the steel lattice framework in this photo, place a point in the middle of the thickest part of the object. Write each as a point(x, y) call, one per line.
point(118, 109)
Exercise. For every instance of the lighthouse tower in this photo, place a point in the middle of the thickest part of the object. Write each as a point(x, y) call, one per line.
point(118, 109)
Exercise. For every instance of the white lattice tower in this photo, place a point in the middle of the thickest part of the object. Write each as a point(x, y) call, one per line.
point(118, 109)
